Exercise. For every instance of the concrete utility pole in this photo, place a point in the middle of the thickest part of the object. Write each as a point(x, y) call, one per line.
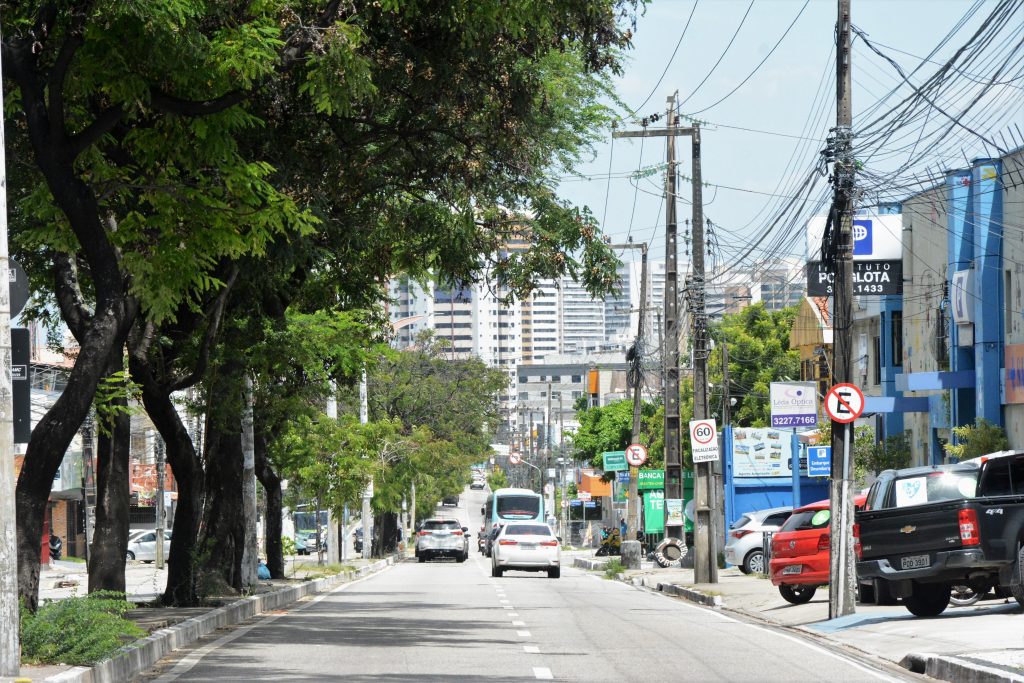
point(547, 454)
point(841, 601)
point(158, 446)
point(335, 536)
point(250, 552)
point(10, 651)
point(705, 567)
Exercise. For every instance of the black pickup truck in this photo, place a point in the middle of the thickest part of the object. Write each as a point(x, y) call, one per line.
point(925, 529)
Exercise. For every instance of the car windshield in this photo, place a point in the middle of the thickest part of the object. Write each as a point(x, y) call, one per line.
point(528, 530)
point(518, 507)
point(440, 524)
point(935, 486)
point(802, 520)
point(741, 522)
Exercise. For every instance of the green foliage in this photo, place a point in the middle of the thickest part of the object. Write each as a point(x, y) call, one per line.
point(116, 394)
point(610, 428)
point(496, 479)
point(613, 568)
point(981, 438)
point(77, 631)
point(288, 546)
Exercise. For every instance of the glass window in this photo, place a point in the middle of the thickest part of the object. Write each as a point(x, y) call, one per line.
point(440, 524)
point(518, 507)
point(1003, 477)
point(528, 530)
point(741, 522)
point(778, 519)
point(897, 339)
point(805, 520)
point(935, 486)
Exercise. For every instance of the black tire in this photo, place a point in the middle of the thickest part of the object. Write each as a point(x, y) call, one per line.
point(421, 558)
point(797, 594)
point(1017, 590)
point(463, 557)
point(496, 572)
point(602, 551)
point(131, 555)
point(554, 572)
point(927, 599)
point(753, 563)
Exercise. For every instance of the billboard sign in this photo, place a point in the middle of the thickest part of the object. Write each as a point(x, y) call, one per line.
point(793, 404)
point(761, 453)
point(869, 277)
point(875, 237)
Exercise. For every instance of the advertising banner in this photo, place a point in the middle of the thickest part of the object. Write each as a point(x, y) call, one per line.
point(761, 453)
point(1014, 377)
point(650, 479)
point(793, 404)
point(674, 511)
point(654, 512)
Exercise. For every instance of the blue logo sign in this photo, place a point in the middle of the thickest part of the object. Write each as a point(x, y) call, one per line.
point(819, 461)
point(622, 477)
point(863, 244)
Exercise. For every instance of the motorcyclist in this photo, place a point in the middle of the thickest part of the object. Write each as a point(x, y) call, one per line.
point(56, 545)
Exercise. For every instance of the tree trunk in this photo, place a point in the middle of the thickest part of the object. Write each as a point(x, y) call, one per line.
point(53, 434)
point(272, 520)
point(110, 538)
point(385, 534)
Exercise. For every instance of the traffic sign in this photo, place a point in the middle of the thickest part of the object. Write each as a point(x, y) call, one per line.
point(819, 461)
point(549, 489)
point(515, 458)
point(565, 502)
point(703, 440)
point(636, 454)
point(844, 403)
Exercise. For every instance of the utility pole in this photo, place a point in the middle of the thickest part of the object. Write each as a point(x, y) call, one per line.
point(158, 446)
point(364, 417)
point(841, 570)
point(335, 535)
point(10, 650)
point(250, 553)
point(547, 453)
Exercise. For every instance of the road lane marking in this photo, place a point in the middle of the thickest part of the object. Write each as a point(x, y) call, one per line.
point(524, 634)
point(531, 649)
point(504, 602)
point(507, 607)
point(542, 673)
point(513, 615)
point(519, 623)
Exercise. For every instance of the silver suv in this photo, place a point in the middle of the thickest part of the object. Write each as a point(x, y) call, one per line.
point(440, 537)
point(743, 544)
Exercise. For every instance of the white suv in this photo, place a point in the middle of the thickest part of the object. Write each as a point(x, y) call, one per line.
point(743, 547)
point(440, 537)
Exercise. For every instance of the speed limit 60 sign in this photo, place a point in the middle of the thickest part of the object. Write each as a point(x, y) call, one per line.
point(703, 440)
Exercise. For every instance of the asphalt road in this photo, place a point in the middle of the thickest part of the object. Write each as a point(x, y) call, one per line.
point(444, 621)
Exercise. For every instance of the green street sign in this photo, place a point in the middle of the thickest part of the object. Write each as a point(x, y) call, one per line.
point(651, 479)
point(614, 461)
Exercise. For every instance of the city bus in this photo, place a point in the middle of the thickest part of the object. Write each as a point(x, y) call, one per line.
point(506, 505)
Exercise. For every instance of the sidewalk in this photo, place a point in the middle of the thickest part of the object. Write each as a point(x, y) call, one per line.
point(981, 642)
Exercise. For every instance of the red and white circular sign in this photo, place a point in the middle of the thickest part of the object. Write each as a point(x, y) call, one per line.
point(636, 454)
point(515, 458)
point(844, 403)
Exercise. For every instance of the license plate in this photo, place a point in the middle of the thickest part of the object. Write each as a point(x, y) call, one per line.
point(528, 546)
point(914, 561)
point(792, 569)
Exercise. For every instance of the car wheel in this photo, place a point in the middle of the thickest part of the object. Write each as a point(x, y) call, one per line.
point(495, 571)
point(421, 557)
point(963, 595)
point(753, 563)
point(797, 595)
point(927, 599)
point(463, 557)
point(1017, 590)
point(554, 572)
point(131, 555)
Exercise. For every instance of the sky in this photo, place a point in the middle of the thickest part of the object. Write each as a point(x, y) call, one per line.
point(789, 101)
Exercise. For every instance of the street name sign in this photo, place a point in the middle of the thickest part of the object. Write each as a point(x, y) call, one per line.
point(614, 461)
point(844, 403)
point(703, 440)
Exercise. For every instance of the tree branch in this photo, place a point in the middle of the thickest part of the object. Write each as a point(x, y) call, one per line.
point(169, 104)
point(101, 125)
point(59, 71)
point(212, 328)
point(69, 296)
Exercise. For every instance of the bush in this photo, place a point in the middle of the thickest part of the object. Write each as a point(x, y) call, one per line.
point(77, 631)
point(978, 439)
point(613, 568)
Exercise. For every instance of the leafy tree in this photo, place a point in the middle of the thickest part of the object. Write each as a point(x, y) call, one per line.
point(981, 438)
point(610, 428)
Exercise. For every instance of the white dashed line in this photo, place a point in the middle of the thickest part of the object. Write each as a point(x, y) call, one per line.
point(542, 673)
point(524, 634)
point(507, 607)
point(513, 615)
point(519, 623)
point(504, 602)
point(531, 649)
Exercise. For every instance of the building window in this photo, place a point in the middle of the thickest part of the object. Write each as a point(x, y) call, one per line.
point(576, 379)
point(897, 339)
point(877, 359)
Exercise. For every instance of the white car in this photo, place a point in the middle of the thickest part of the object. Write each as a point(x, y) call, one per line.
point(743, 545)
point(527, 546)
point(143, 546)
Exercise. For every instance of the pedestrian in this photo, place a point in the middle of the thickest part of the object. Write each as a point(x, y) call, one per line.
point(622, 527)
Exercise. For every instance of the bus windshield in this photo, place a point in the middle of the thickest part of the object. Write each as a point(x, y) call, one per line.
point(518, 507)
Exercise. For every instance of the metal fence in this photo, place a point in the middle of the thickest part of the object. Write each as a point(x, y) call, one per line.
point(766, 547)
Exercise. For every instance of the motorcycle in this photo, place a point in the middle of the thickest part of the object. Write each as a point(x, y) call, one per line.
point(56, 546)
point(611, 542)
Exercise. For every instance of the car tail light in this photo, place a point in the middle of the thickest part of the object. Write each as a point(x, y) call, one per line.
point(969, 527)
point(551, 543)
point(856, 541)
point(457, 533)
point(740, 533)
point(507, 541)
point(823, 543)
point(423, 533)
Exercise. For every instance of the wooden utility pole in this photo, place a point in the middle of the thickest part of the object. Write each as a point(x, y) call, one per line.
point(633, 503)
point(842, 574)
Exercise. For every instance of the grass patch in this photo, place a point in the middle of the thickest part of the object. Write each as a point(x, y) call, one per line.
point(77, 631)
point(613, 568)
point(80, 560)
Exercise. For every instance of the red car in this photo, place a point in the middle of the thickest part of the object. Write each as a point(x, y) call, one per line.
point(800, 552)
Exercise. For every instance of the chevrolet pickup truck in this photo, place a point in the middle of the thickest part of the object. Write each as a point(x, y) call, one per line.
point(925, 529)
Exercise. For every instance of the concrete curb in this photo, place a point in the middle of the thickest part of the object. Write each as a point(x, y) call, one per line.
point(587, 563)
point(689, 594)
point(960, 668)
point(143, 654)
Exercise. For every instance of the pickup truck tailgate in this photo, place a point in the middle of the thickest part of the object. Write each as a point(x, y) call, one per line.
point(894, 533)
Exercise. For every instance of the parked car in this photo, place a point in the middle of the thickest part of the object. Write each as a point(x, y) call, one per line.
point(926, 529)
point(143, 546)
point(744, 546)
point(440, 537)
point(300, 543)
point(800, 552)
point(527, 546)
point(492, 536)
point(452, 501)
